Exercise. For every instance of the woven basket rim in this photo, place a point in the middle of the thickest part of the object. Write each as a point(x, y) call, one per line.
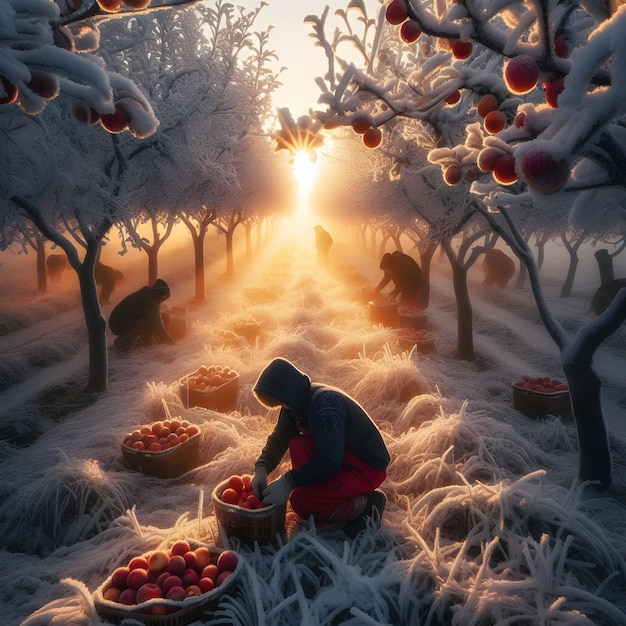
point(136, 611)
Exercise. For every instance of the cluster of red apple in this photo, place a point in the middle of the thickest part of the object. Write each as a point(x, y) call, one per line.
point(396, 14)
point(412, 334)
point(208, 378)
point(44, 84)
point(372, 136)
point(542, 171)
point(173, 574)
point(160, 436)
point(239, 492)
point(540, 384)
point(113, 6)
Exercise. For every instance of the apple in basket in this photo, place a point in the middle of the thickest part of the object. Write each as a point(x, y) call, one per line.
point(541, 384)
point(161, 435)
point(207, 378)
point(239, 491)
point(202, 573)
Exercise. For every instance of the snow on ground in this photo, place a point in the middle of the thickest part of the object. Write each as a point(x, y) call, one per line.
point(482, 524)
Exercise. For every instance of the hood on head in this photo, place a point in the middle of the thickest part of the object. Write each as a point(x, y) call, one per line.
point(282, 380)
point(386, 262)
point(160, 287)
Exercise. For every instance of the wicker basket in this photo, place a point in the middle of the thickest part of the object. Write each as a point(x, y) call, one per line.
point(423, 345)
point(176, 322)
point(262, 525)
point(383, 312)
point(222, 398)
point(169, 463)
point(539, 404)
point(249, 331)
point(181, 613)
point(412, 317)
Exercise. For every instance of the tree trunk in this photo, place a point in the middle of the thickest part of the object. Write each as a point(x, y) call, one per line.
point(566, 289)
point(96, 324)
point(198, 249)
point(153, 264)
point(230, 264)
point(593, 444)
point(465, 313)
point(605, 266)
point(248, 241)
point(426, 257)
point(42, 283)
point(521, 277)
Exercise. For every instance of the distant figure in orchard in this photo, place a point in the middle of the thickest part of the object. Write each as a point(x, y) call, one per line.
point(605, 294)
point(323, 243)
point(107, 277)
point(56, 264)
point(499, 268)
point(338, 455)
point(137, 319)
point(407, 277)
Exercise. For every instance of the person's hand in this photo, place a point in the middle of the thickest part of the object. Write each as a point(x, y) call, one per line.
point(259, 481)
point(277, 492)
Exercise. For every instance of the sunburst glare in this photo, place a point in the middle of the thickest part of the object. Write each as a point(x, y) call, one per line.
point(305, 168)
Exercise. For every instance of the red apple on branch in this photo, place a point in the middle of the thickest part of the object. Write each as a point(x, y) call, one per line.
point(452, 175)
point(504, 170)
point(521, 74)
point(396, 13)
point(461, 49)
point(410, 31)
point(542, 172)
point(487, 104)
point(372, 137)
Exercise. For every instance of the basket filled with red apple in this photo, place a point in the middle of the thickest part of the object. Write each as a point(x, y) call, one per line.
point(241, 513)
point(421, 340)
point(383, 312)
point(540, 396)
point(210, 386)
point(412, 317)
point(165, 448)
point(168, 587)
point(248, 329)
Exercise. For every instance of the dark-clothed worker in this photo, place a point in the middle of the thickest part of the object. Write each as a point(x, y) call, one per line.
point(137, 318)
point(338, 455)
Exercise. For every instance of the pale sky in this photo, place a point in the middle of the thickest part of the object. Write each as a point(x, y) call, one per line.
point(295, 49)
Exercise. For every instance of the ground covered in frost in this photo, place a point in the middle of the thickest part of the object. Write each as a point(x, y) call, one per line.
point(483, 525)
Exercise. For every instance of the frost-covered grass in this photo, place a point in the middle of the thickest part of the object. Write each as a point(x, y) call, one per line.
point(483, 525)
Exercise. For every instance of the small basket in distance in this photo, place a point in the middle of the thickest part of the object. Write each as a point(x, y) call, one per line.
point(538, 404)
point(262, 525)
point(409, 337)
point(169, 463)
point(248, 330)
point(383, 312)
point(412, 317)
point(219, 398)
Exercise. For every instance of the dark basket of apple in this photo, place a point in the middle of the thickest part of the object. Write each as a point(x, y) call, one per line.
point(412, 317)
point(248, 330)
point(168, 587)
point(537, 396)
point(383, 312)
point(409, 338)
point(240, 513)
point(213, 387)
point(165, 449)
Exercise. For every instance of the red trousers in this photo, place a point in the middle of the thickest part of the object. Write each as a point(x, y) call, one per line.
point(340, 498)
point(412, 299)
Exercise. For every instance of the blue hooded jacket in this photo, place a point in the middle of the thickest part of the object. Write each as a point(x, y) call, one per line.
point(334, 420)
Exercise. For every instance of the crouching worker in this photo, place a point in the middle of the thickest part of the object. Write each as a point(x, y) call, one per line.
point(338, 455)
point(407, 277)
point(137, 318)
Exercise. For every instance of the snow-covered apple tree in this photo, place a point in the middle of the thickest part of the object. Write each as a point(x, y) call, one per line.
point(543, 108)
